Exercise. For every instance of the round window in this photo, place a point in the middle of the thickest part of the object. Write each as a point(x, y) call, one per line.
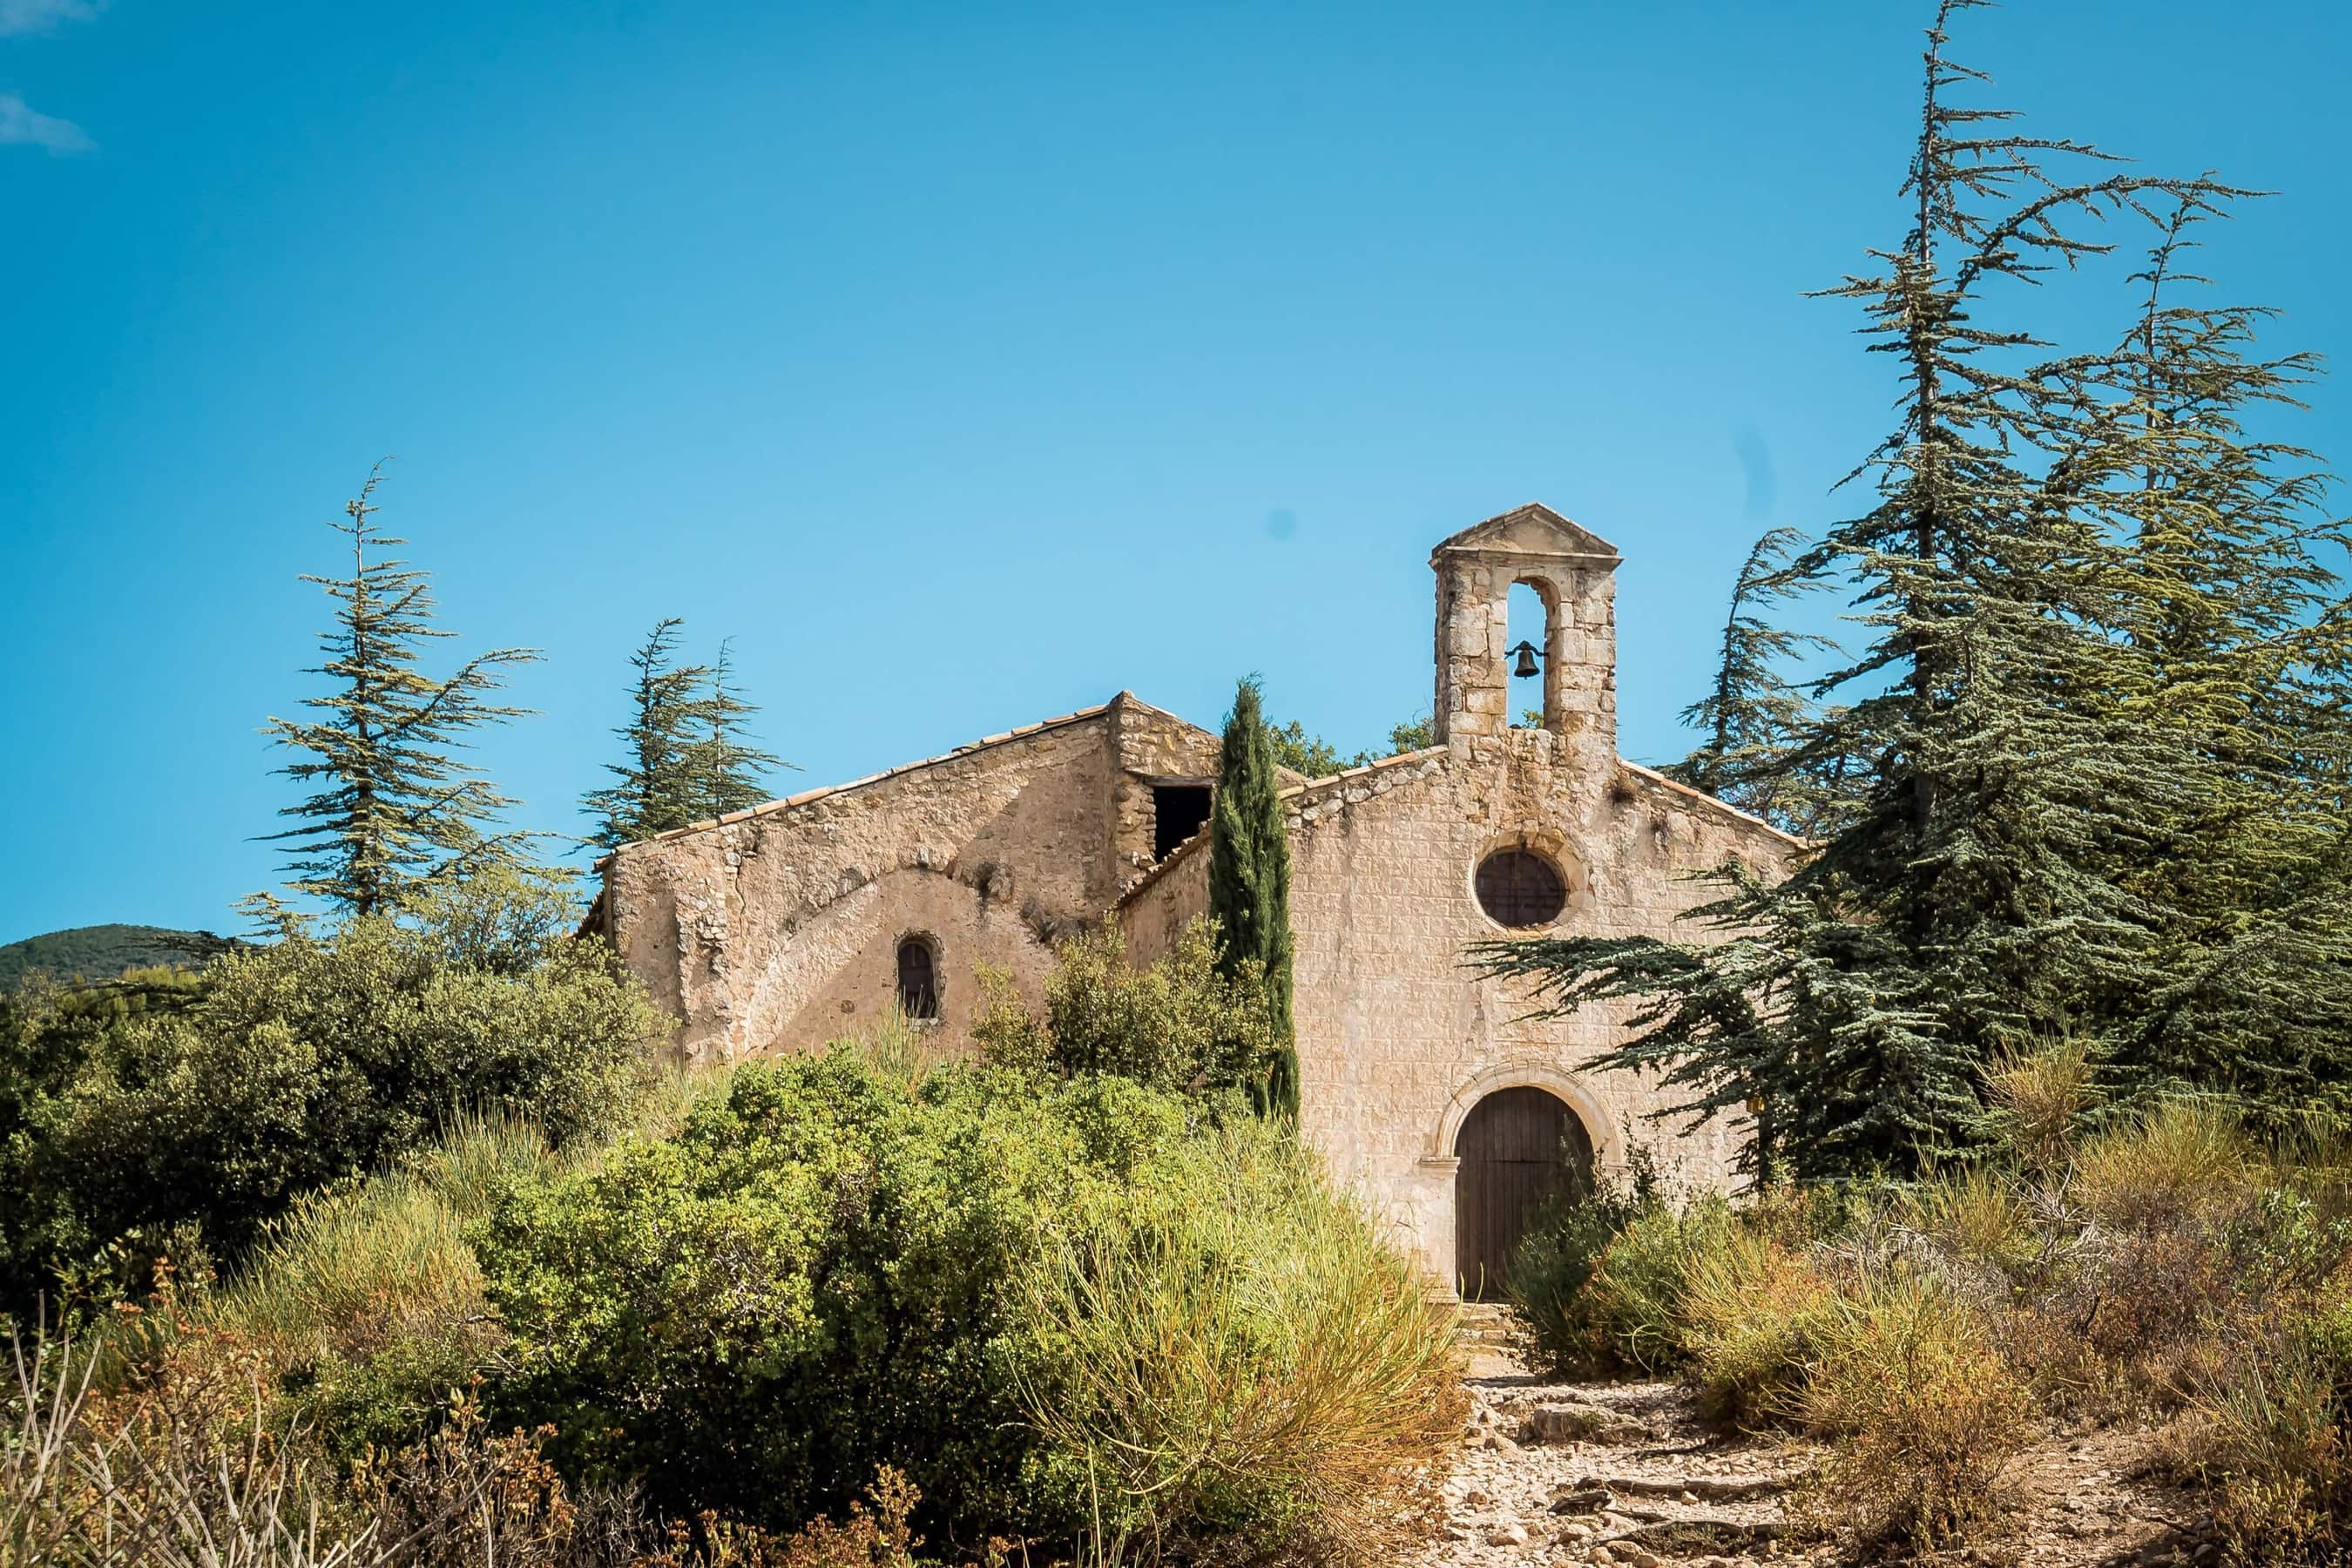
point(1520, 888)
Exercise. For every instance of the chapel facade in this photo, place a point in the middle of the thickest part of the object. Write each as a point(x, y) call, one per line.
point(1430, 1092)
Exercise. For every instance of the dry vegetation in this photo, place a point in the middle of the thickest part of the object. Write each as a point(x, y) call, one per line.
point(1213, 1349)
point(2157, 1268)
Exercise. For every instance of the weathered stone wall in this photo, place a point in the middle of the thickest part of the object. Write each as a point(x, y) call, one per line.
point(1398, 1039)
point(778, 929)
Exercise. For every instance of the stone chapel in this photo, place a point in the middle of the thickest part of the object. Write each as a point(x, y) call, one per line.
point(1430, 1092)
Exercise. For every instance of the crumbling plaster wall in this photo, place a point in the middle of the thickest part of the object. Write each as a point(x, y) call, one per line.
point(778, 929)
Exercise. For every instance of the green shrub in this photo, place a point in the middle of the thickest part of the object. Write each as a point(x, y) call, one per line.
point(1177, 1026)
point(364, 1302)
point(1008, 1287)
point(814, 1278)
point(1600, 1282)
point(1244, 1353)
point(1751, 1306)
point(314, 1060)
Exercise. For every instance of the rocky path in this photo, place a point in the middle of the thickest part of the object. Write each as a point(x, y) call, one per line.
point(1626, 1473)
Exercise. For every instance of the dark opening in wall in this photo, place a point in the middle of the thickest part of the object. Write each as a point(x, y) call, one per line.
point(1178, 812)
point(1520, 889)
point(918, 990)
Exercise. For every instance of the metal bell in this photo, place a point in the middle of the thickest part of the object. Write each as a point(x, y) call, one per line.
point(1526, 665)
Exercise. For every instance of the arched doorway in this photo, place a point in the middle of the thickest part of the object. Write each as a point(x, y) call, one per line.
point(1517, 1148)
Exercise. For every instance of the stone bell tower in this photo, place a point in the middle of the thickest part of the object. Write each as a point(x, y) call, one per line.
point(1574, 574)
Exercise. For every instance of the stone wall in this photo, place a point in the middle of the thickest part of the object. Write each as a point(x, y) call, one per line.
point(1397, 1039)
point(778, 929)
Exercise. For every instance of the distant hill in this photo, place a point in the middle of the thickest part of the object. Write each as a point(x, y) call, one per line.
point(102, 953)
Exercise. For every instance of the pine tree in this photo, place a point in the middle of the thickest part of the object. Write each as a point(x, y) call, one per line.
point(1249, 884)
point(2248, 641)
point(659, 785)
point(727, 770)
point(394, 807)
point(1756, 717)
point(1979, 891)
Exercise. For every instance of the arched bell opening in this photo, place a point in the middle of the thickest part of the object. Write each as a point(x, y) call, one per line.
point(1529, 625)
point(1520, 1150)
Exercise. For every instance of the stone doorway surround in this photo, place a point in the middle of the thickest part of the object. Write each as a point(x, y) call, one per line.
point(1439, 1165)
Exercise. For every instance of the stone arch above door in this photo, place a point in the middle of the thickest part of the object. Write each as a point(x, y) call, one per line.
point(1571, 1088)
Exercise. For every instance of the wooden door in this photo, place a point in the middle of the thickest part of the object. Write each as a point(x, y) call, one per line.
point(1518, 1147)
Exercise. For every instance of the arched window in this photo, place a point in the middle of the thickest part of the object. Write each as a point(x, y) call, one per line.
point(1519, 889)
point(919, 988)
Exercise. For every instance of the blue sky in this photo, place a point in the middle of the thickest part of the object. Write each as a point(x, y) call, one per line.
point(965, 364)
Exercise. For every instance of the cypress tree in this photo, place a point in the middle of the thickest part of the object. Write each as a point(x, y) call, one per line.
point(1249, 885)
point(1980, 889)
point(393, 806)
point(659, 784)
point(728, 770)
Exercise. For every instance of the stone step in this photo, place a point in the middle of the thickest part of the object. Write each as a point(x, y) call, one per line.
point(1486, 1323)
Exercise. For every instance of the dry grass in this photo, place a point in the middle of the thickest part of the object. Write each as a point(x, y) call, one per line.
point(1752, 1306)
point(2185, 1159)
point(1923, 1413)
point(2041, 1096)
point(1257, 1351)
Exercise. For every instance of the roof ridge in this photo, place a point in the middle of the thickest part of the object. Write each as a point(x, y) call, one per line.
point(1315, 784)
point(804, 797)
point(1654, 776)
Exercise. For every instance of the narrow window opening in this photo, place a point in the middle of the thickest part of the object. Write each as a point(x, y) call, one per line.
point(919, 991)
point(1178, 812)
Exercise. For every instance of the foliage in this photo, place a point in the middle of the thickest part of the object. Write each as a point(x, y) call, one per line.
point(1301, 752)
point(655, 789)
point(2170, 1267)
point(811, 1279)
point(394, 806)
point(2087, 769)
point(1245, 1354)
point(1179, 1026)
point(2269, 1430)
point(1249, 886)
point(1925, 1414)
point(727, 768)
point(1316, 758)
point(685, 756)
point(1600, 1280)
point(85, 953)
point(974, 1276)
point(307, 1062)
point(1757, 717)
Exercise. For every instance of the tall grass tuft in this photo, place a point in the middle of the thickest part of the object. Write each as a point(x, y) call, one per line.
point(2039, 1099)
point(1924, 1415)
point(1250, 1351)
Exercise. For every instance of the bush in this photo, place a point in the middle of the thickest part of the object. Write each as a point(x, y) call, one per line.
point(311, 1061)
point(1924, 1415)
point(1178, 1026)
point(832, 1268)
point(1751, 1307)
point(365, 1304)
point(812, 1279)
point(1599, 1283)
point(1248, 1352)
point(2184, 1160)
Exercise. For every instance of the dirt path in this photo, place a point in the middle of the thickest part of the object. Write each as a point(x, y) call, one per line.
point(1627, 1473)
